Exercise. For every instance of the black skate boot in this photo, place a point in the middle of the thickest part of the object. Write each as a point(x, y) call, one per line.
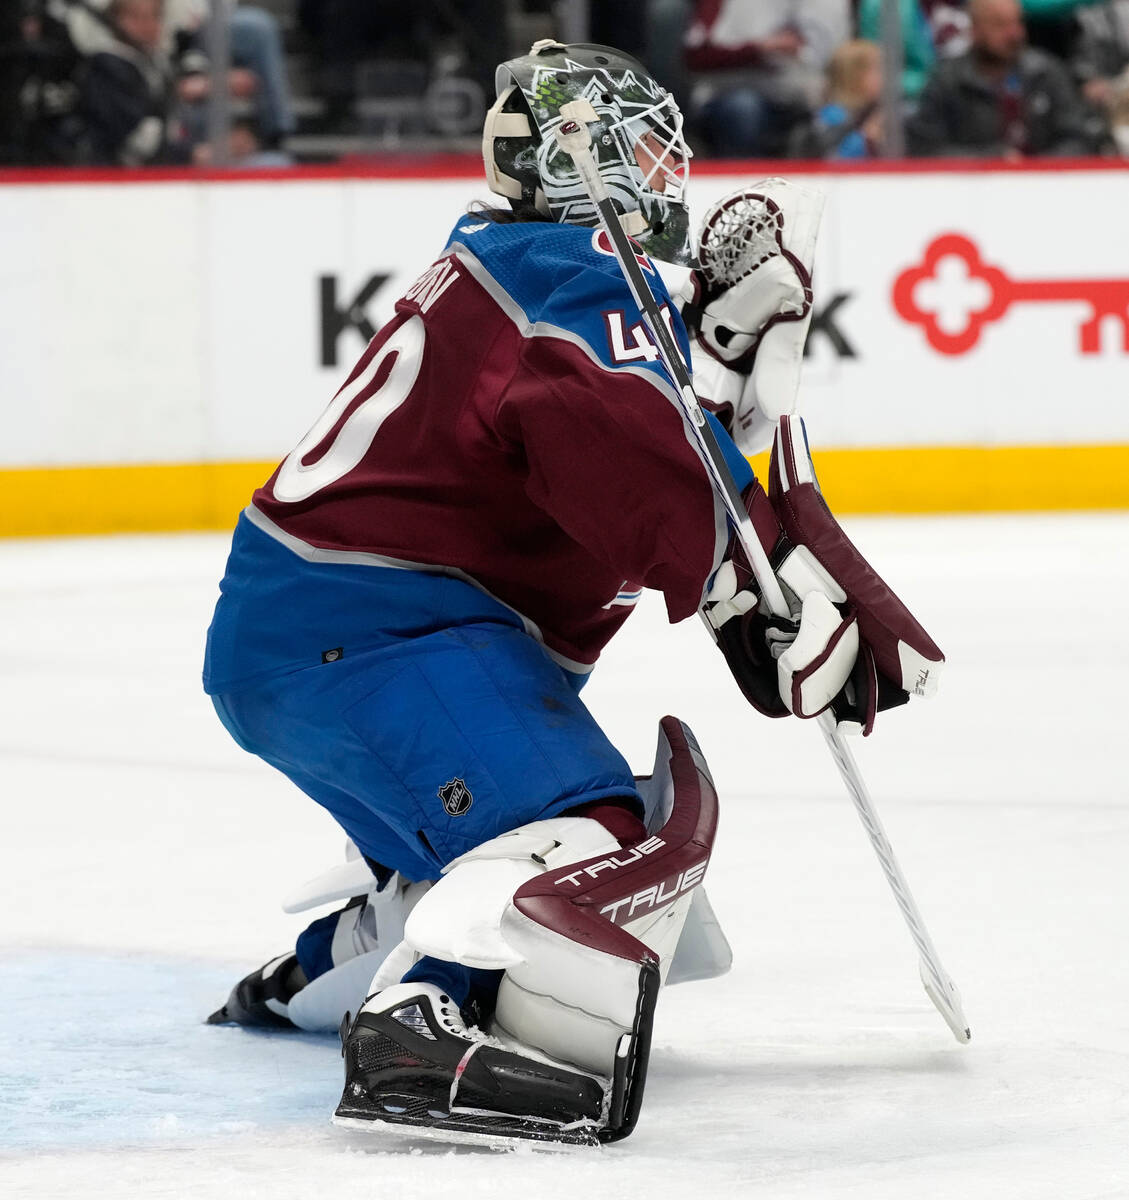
point(410, 1060)
point(261, 998)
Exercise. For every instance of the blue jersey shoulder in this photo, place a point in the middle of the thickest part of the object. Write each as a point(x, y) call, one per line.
point(566, 277)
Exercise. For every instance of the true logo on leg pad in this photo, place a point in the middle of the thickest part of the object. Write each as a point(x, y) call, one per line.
point(456, 797)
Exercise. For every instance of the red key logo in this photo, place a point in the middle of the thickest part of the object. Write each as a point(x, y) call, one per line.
point(952, 255)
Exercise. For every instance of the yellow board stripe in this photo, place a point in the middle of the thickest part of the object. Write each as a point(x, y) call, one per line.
point(49, 501)
point(56, 501)
point(966, 479)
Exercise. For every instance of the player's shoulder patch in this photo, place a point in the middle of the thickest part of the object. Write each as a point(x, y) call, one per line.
point(533, 260)
point(602, 244)
point(566, 279)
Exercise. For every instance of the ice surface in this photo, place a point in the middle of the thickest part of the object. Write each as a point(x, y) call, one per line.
point(143, 858)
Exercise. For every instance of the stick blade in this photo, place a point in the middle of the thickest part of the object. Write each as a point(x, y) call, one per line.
point(946, 1000)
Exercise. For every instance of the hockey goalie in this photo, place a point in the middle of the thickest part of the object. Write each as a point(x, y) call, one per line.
point(415, 598)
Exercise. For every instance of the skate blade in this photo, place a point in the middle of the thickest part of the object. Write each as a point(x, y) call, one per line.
point(460, 1131)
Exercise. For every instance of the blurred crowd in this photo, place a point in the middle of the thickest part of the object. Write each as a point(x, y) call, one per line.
point(129, 82)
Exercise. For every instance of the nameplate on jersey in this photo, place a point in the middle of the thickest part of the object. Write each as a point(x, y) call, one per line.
point(432, 284)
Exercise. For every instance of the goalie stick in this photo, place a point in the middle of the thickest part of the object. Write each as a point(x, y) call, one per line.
point(575, 139)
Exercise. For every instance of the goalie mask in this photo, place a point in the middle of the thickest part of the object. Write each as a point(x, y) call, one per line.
point(638, 144)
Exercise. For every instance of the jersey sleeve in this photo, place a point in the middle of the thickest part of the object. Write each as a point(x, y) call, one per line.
point(609, 454)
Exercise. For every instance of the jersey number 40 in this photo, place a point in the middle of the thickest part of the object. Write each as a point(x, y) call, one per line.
point(381, 386)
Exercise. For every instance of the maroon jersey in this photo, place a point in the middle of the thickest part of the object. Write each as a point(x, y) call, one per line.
point(511, 424)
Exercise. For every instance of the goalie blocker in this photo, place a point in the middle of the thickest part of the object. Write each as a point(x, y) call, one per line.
point(851, 645)
point(586, 931)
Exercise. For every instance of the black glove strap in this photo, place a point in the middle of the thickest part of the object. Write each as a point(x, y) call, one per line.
point(867, 693)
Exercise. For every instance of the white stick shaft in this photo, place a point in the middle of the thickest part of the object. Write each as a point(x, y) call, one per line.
point(575, 139)
point(936, 980)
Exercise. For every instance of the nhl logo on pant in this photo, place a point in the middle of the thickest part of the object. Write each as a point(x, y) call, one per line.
point(456, 797)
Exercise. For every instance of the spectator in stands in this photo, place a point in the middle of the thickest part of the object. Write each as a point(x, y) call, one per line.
point(19, 30)
point(1119, 123)
point(259, 63)
point(125, 84)
point(917, 40)
point(759, 66)
point(246, 149)
point(849, 125)
point(931, 29)
point(1003, 98)
point(948, 21)
point(1101, 53)
point(145, 63)
point(37, 93)
point(1051, 26)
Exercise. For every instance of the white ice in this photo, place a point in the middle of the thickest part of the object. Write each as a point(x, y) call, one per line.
point(143, 857)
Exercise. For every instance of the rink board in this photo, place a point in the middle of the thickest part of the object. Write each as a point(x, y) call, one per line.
point(150, 498)
point(168, 338)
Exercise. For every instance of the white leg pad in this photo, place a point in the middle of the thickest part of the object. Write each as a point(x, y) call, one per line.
point(703, 950)
point(364, 937)
point(585, 930)
point(460, 919)
point(588, 937)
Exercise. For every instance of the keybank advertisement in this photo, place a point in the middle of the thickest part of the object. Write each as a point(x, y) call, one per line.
point(189, 322)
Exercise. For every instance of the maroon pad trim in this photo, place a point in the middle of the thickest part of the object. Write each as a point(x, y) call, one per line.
point(588, 901)
point(883, 619)
point(618, 817)
point(793, 475)
point(870, 691)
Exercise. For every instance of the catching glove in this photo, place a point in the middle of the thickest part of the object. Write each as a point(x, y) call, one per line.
point(748, 308)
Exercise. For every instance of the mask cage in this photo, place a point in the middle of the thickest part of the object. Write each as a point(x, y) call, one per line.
point(658, 130)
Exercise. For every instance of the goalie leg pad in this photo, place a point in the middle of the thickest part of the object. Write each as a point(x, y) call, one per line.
point(587, 935)
point(342, 952)
point(335, 957)
point(460, 919)
point(595, 938)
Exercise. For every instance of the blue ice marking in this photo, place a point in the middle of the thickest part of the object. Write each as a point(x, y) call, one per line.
point(100, 1050)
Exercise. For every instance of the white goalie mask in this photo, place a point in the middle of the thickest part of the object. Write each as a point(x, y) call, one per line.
point(638, 143)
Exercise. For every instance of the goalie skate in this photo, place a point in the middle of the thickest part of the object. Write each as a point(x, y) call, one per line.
point(411, 1061)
